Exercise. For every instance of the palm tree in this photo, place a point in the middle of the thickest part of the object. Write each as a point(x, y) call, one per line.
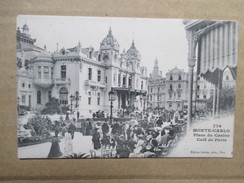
point(77, 156)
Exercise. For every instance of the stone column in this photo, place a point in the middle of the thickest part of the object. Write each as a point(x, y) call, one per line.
point(191, 64)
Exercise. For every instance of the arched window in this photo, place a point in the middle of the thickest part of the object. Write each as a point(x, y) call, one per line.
point(63, 96)
point(171, 77)
point(39, 99)
point(99, 57)
point(90, 54)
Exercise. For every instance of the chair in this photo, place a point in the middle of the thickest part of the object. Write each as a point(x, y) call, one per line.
point(93, 154)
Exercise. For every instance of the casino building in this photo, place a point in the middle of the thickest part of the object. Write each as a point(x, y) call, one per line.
point(78, 77)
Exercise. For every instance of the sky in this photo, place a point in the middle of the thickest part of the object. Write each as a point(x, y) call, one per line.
point(164, 39)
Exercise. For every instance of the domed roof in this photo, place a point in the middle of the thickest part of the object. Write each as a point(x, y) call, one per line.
point(44, 57)
point(109, 42)
point(132, 52)
point(25, 28)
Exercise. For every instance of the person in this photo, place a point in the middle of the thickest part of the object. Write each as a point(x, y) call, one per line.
point(159, 122)
point(55, 149)
point(105, 128)
point(78, 115)
point(96, 140)
point(68, 149)
point(89, 128)
point(72, 129)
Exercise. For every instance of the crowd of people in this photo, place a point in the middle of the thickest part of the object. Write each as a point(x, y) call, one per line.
point(143, 135)
point(150, 136)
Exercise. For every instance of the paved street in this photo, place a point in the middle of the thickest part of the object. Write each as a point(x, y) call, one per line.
point(81, 144)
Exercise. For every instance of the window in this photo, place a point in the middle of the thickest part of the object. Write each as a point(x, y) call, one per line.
point(99, 57)
point(89, 98)
point(178, 105)
point(141, 85)
point(179, 77)
point(39, 99)
point(39, 72)
point(179, 85)
point(29, 100)
point(170, 87)
point(198, 87)
point(119, 78)
point(227, 78)
point(151, 90)
point(98, 98)
point(46, 72)
point(105, 56)
point(51, 72)
point(63, 71)
point(204, 96)
point(159, 89)
point(197, 96)
point(106, 79)
point(171, 77)
point(29, 85)
point(99, 76)
point(124, 81)
point(170, 95)
point(179, 95)
point(114, 78)
point(49, 95)
point(158, 97)
point(151, 97)
point(63, 96)
point(129, 81)
point(23, 99)
point(90, 54)
point(89, 73)
point(23, 85)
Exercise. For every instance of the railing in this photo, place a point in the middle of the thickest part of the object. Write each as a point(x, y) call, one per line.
point(43, 82)
point(62, 81)
point(95, 84)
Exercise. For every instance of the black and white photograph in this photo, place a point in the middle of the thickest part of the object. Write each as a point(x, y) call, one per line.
point(106, 87)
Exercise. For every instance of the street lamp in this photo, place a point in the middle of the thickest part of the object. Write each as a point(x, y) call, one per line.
point(158, 105)
point(111, 99)
point(144, 98)
point(75, 98)
point(72, 97)
point(18, 99)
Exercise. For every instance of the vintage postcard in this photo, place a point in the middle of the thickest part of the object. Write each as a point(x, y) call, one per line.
point(99, 87)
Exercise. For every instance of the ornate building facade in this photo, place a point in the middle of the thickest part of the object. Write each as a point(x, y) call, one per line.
point(156, 89)
point(82, 73)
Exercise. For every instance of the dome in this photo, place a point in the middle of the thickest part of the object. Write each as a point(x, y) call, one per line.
point(132, 52)
point(110, 42)
point(44, 57)
point(25, 28)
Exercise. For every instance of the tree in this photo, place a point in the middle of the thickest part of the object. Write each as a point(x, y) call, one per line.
point(52, 106)
point(227, 99)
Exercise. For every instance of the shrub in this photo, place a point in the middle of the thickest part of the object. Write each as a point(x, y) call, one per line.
point(52, 107)
point(39, 124)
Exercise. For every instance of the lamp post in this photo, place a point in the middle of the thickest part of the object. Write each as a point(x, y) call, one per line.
point(143, 97)
point(75, 98)
point(158, 105)
point(111, 99)
point(18, 99)
point(72, 97)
